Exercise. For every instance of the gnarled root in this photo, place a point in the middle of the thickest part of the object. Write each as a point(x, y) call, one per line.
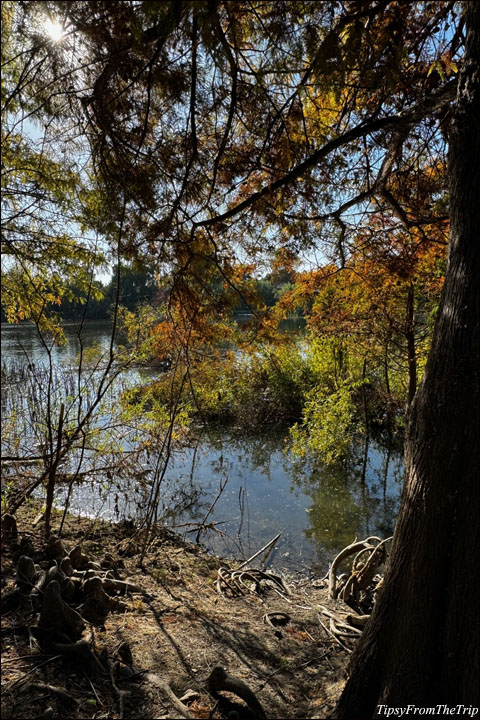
point(26, 573)
point(58, 615)
point(96, 604)
point(370, 554)
point(238, 582)
point(219, 679)
point(9, 527)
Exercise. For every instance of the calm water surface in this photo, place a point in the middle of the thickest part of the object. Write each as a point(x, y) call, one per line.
point(318, 509)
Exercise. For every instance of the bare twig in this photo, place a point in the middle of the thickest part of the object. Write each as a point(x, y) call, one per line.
point(259, 552)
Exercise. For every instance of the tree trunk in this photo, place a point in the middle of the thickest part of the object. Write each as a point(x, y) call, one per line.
point(411, 349)
point(421, 645)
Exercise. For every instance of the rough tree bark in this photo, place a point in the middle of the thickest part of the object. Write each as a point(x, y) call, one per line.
point(411, 349)
point(422, 643)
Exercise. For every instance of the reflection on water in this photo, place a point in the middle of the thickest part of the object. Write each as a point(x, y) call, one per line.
point(22, 342)
point(353, 500)
point(318, 509)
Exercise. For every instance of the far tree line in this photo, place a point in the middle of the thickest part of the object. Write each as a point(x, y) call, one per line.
point(138, 286)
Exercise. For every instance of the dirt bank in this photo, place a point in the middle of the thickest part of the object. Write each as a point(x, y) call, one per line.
point(167, 635)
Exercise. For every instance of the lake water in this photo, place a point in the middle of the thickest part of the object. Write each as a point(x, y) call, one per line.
point(318, 509)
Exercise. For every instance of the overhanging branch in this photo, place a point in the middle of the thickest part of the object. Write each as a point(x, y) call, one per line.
point(401, 121)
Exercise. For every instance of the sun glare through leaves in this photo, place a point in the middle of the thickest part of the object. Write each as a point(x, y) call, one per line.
point(54, 29)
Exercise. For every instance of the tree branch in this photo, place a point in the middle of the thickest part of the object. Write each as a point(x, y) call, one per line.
point(403, 120)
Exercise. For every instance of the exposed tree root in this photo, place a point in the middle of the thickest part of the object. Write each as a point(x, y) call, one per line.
point(357, 589)
point(55, 689)
point(219, 679)
point(240, 582)
point(9, 527)
point(56, 614)
point(168, 692)
point(369, 554)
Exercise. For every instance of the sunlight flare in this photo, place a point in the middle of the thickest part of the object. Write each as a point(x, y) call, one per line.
point(54, 29)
